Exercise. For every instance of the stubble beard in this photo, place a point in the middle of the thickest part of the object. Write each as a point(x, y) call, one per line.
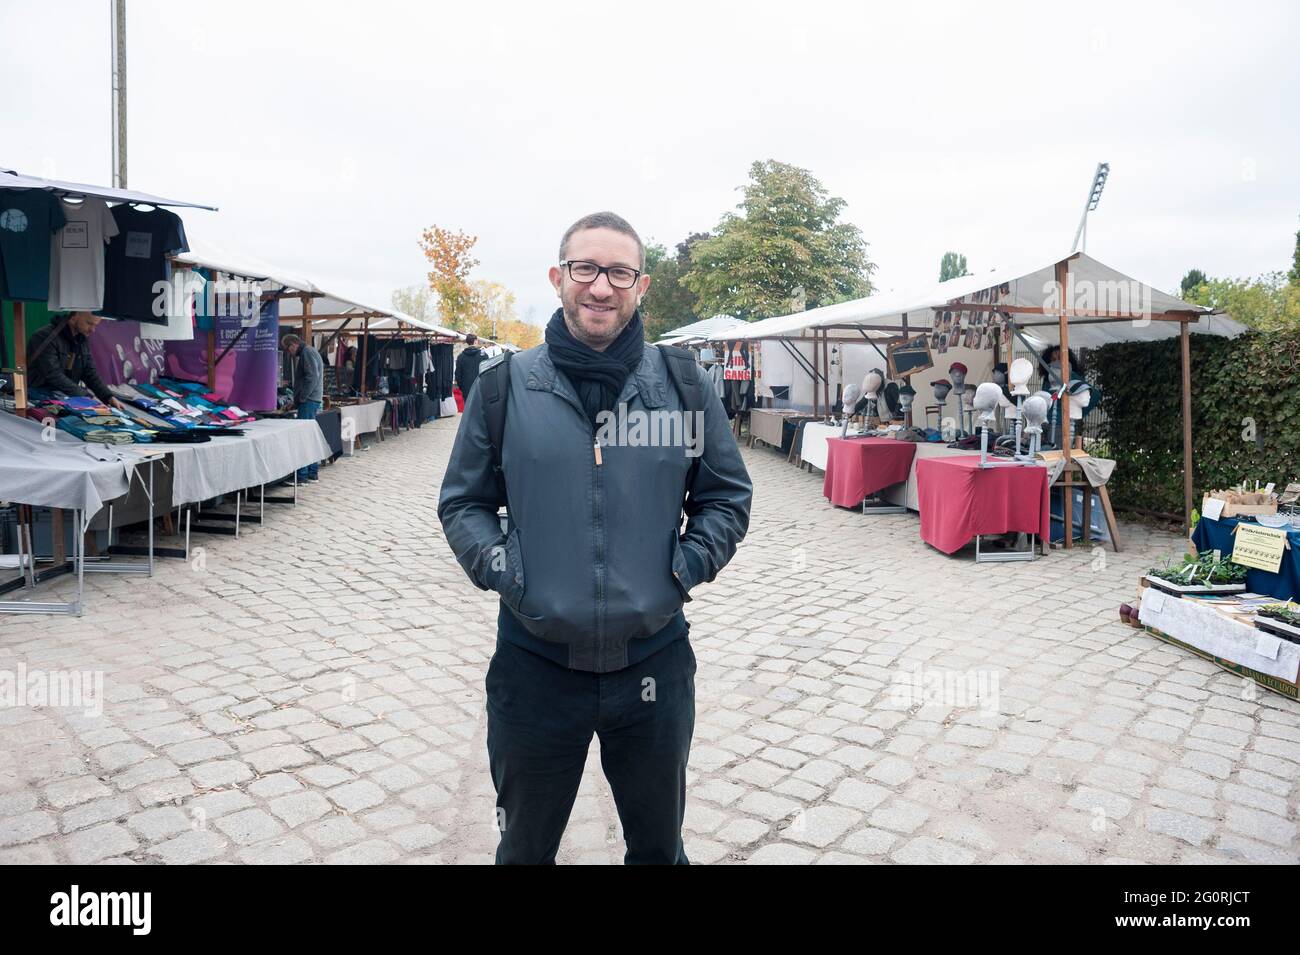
point(598, 341)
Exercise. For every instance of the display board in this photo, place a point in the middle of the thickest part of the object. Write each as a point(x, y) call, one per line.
point(909, 357)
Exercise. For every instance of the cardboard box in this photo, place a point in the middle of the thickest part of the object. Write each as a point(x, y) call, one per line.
point(1243, 510)
point(1290, 690)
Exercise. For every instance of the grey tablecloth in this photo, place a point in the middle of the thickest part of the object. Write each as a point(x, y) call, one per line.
point(767, 424)
point(267, 451)
point(45, 467)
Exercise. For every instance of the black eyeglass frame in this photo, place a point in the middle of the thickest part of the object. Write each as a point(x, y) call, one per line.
point(604, 270)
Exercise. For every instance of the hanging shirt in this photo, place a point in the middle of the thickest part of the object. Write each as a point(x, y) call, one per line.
point(77, 256)
point(28, 217)
point(185, 285)
point(137, 259)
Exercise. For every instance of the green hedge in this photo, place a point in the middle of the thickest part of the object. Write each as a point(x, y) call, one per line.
point(1256, 376)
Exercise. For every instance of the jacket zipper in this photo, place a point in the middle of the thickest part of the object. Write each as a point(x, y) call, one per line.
point(598, 515)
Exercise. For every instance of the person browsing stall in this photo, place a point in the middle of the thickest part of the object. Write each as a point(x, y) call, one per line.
point(308, 388)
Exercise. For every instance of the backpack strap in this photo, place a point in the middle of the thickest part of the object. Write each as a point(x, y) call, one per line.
point(681, 369)
point(494, 388)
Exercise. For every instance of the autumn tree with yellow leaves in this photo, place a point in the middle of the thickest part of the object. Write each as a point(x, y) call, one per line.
point(450, 263)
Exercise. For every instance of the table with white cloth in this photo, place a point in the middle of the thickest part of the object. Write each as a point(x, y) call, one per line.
point(44, 467)
point(812, 447)
point(1235, 645)
point(360, 419)
point(267, 451)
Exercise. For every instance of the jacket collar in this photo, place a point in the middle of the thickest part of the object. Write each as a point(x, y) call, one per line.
point(645, 381)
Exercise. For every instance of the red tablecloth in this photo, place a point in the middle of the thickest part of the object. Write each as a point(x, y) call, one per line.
point(856, 467)
point(959, 499)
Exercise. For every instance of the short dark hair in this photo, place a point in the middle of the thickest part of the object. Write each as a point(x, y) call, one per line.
point(471, 338)
point(603, 220)
point(288, 340)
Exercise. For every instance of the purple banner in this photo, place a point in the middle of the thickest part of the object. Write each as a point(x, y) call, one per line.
point(248, 373)
point(122, 357)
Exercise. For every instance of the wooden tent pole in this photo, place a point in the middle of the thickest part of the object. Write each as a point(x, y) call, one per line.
point(365, 342)
point(212, 339)
point(813, 374)
point(1067, 492)
point(826, 370)
point(306, 319)
point(20, 357)
point(1186, 351)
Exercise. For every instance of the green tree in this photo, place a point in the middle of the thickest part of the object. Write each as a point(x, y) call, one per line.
point(1294, 274)
point(1267, 302)
point(953, 266)
point(668, 304)
point(786, 237)
point(417, 301)
point(1191, 281)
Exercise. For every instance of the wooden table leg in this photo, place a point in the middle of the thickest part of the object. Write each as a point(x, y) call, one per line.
point(1087, 510)
point(1110, 517)
point(57, 545)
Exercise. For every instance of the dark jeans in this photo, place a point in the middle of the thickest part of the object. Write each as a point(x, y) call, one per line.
point(541, 717)
point(307, 411)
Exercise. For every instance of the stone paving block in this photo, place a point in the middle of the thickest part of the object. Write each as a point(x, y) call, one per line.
point(99, 842)
point(782, 853)
point(300, 807)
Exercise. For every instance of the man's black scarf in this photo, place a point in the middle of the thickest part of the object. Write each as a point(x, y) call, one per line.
point(598, 377)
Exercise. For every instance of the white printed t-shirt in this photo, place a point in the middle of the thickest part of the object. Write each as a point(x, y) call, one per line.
point(77, 256)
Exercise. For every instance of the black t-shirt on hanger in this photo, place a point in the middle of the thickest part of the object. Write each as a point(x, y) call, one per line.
point(136, 259)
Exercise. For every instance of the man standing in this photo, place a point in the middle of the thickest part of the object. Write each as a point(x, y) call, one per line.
point(594, 570)
point(308, 388)
point(60, 360)
point(467, 365)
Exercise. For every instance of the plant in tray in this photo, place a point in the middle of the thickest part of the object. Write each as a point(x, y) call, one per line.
point(1202, 570)
point(1287, 613)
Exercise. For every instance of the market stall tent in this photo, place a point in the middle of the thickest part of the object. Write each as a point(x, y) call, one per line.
point(11, 179)
point(1072, 300)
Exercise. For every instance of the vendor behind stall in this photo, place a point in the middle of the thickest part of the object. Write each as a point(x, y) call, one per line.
point(59, 359)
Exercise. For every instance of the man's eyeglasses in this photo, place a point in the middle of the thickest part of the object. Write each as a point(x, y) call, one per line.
point(619, 276)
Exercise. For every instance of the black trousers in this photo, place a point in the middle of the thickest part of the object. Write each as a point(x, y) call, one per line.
point(541, 717)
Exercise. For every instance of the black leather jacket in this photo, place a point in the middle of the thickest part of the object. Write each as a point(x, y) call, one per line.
point(65, 364)
point(594, 558)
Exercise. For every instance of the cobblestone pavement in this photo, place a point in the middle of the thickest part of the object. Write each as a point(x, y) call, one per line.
point(314, 691)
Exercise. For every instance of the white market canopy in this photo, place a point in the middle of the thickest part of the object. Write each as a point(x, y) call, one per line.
point(335, 310)
point(707, 329)
point(338, 311)
point(1103, 305)
point(9, 179)
point(206, 255)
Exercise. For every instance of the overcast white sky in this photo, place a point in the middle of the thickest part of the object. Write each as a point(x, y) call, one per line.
point(330, 133)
